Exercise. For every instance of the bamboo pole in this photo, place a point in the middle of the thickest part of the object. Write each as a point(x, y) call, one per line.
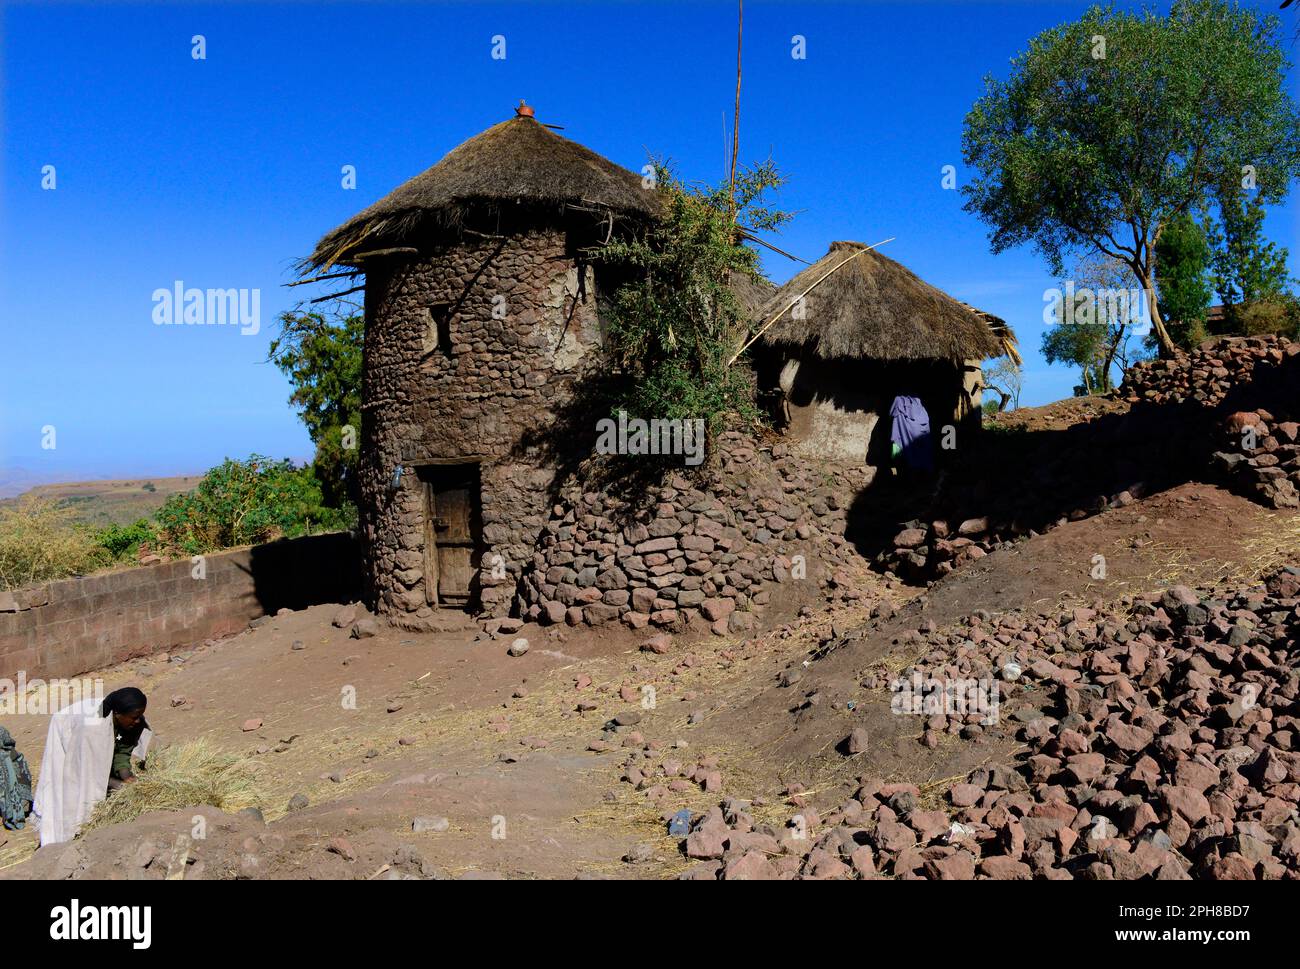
point(763, 329)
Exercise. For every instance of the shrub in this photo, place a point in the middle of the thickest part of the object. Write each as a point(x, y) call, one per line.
point(244, 503)
point(675, 323)
point(122, 542)
point(41, 540)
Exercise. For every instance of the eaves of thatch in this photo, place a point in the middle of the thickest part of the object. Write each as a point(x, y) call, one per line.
point(752, 292)
point(1002, 331)
point(872, 307)
point(517, 165)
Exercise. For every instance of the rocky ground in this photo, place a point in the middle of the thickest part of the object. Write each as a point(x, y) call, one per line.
point(1092, 673)
point(578, 756)
point(1160, 738)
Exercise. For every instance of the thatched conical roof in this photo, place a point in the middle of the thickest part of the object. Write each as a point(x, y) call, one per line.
point(752, 292)
point(876, 308)
point(517, 163)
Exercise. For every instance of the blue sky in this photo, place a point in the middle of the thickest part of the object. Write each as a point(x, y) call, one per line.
point(221, 172)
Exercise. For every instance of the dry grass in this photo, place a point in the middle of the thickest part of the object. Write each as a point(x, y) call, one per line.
point(40, 540)
point(186, 775)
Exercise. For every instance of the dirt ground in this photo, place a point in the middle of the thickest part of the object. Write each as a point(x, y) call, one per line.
point(449, 726)
point(1057, 415)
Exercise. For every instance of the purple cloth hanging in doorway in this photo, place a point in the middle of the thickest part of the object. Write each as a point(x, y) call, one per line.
point(911, 432)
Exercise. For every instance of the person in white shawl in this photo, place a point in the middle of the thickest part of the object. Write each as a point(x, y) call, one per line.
point(88, 751)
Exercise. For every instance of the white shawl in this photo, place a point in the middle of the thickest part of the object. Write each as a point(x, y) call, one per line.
point(75, 769)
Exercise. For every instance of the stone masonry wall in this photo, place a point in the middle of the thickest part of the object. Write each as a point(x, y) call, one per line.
point(711, 552)
point(521, 322)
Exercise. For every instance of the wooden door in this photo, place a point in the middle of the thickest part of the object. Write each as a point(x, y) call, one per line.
point(452, 534)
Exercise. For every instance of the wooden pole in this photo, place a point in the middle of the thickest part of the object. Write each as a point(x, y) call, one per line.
point(735, 126)
point(321, 299)
point(821, 279)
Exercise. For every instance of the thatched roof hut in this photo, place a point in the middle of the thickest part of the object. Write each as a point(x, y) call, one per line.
point(875, 308)
point(483, 323)
point(868, 332)
point(516, 165)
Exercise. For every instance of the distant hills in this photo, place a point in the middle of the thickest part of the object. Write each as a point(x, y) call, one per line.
point(111, 502)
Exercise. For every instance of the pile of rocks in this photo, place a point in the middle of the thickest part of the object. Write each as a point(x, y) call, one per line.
point(1163, 741)
point(1206, 375)
point(1261, 456)
point(697, 552)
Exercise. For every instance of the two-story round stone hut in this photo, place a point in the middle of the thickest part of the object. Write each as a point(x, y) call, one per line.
point(481, 314)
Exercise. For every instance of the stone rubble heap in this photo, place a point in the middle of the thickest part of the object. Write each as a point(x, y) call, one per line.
point(1206, 375)
point(1163, 742)
point(702, 552)
point(1260, 434)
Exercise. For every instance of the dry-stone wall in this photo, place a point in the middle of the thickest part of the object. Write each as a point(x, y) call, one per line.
point(708, 551)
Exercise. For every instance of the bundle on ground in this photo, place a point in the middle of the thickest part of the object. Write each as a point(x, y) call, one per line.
point(186, 775)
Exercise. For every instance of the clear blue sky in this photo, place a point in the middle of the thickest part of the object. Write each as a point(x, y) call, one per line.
point(222, 172)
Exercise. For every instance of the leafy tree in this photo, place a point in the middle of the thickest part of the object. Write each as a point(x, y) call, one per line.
point(321, 356)
point(1247, 268)
point(1004, 378)
point(1111, 126)
point(1183, 255)
point(675, 322)
point(244, 503)
point(1092, 323)
point(1080, 344)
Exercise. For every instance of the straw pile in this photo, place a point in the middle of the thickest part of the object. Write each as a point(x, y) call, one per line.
point(187, 775)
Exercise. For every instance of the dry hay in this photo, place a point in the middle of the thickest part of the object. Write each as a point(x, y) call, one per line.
point(181, 776)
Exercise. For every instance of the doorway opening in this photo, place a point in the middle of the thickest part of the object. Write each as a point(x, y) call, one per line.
point(453, 535)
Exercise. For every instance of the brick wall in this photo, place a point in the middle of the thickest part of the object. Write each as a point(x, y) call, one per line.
point(70, 627)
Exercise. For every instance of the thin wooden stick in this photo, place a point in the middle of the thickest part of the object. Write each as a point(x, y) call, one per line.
point(749, 234)
point(321, 299)
point(317, 279)
point(394, 251)
point(827, 274)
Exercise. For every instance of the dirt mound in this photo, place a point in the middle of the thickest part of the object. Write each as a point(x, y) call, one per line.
point(1181, 420)
point(1195, 534)
point(1019, 483)
point(1056, 416)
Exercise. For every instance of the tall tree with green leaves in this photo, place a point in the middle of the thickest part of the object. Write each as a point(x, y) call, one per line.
point(321, 356)
point(1111, 126)
point(1092, 322)
point(1247, 268)
point(1183, 255)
